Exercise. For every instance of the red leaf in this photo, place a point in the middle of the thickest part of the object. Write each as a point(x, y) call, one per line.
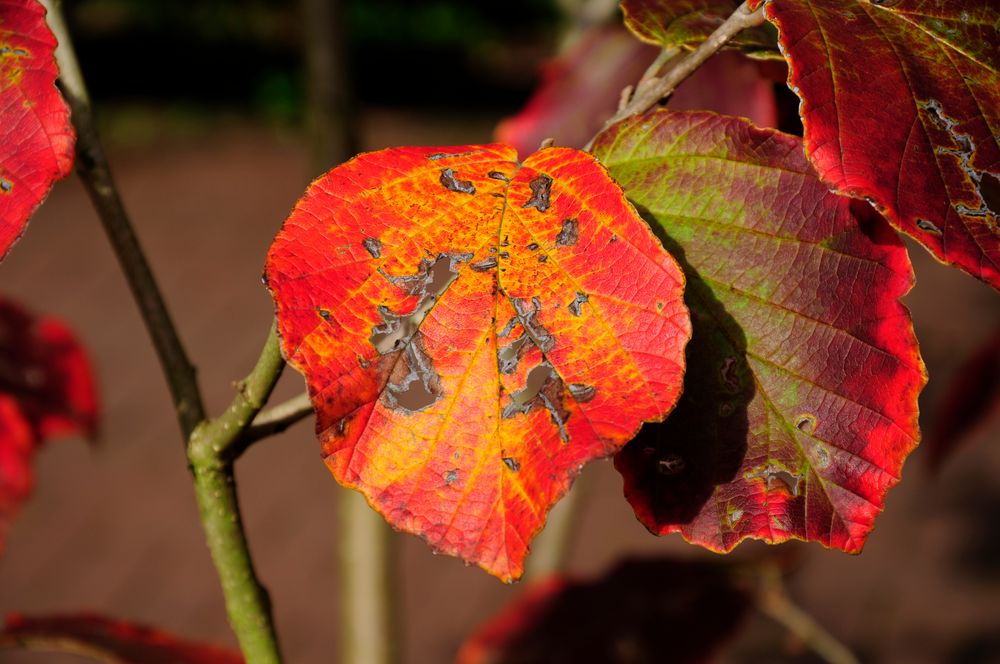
point(46, 389)
point(971, 401)
point(642, 611)
point(800, 402)
point(36, 138)
point(44, 368)
point(579, 90)
point(901, 104)
point(17, 447)
point(102, 637)
point(473, 330)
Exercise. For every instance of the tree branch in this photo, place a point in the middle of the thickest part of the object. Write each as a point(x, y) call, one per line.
point(92, 167)
point(211, 451)
point(774, 602)
point(652, 89)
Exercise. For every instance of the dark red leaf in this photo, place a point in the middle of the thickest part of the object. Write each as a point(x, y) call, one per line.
point(111, 639)
point(36, 138)
point(44, 368)
point(642, 611)
point(901, 105)
point(17, 447)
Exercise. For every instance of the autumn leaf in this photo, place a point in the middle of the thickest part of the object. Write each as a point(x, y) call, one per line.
point(641, 611)
point(36, 138)
point(971, 401)
point(46, 389)
point(687, 23)
point(800, 402)
point(473, 330)
point(106, 639)
point(901, 105)
point(578, 90)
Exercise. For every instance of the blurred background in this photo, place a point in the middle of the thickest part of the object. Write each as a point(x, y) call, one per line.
point(204, 108)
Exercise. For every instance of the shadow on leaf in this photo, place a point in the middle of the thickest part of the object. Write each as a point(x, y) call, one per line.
point(672, 468)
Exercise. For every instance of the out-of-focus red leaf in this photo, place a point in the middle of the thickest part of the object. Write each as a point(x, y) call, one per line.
point(124, 642)
point(901, 105)
point(44, 368)
point(36, 138)
point(642, 611)
point(17, 447)
point(971, 401)
point(800, 401)
point(730, 84)
point(579, 90)
point(47, 388)
point(687, 23)
point(473, 330)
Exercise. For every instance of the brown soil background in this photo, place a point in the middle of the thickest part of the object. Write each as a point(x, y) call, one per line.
point(114, 529)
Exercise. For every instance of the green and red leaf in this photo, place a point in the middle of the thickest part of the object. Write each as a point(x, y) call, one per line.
point(687, 23)
point(109, 640)
point(641, 611)
point(36, 138)
point(800, 402)
point(901, 105)
point(474, 329)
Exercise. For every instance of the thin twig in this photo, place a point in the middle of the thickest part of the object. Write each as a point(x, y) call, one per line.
point(277, 419)
point(774, 602)
point(92, 167)
point(211, 452)
point(647, 96)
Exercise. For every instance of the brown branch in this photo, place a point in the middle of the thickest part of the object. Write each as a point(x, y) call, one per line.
point(93, 169)
point(654, 88)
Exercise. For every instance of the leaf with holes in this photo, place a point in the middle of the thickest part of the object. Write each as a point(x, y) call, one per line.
point(473, 330)
point(641, 611)
point(46, 389)
point(108, 640)
point(901, 105)
point(36, 138)
point(800, 402)
point(687, 23)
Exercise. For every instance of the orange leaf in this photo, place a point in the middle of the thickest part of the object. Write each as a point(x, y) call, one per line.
point(473, 330)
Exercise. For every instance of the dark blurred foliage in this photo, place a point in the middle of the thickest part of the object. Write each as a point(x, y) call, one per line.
point(247, 54)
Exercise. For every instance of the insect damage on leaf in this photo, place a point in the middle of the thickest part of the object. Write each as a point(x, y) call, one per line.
point(460, 382)
point(36, 138)
point(800, 400)
point(921, 141)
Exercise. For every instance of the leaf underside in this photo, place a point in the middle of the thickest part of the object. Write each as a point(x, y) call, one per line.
point(473, 330)
point(800, 402)
point(36, 138)
point(901, 105)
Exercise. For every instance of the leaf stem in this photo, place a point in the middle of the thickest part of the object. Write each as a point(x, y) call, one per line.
point(774, 602)
point(654, 88)
point(277, 419)
point(93, 169)
point(212, 448)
